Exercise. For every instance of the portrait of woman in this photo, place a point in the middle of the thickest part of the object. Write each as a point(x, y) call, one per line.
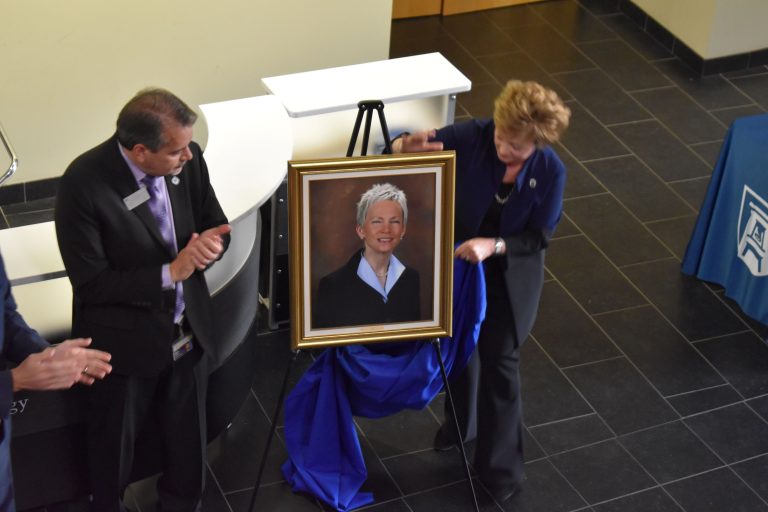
point(373, 286)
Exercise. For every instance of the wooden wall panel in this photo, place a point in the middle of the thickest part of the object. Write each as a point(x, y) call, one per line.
point(459, 6)
point(413, 8)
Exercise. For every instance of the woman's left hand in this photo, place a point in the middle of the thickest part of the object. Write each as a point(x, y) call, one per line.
point(476, 250)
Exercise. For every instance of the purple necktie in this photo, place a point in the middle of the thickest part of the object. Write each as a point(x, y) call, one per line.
point(160, 212)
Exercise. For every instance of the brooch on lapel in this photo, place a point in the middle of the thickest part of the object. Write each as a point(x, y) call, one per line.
point(175, 180)
point(532, 183)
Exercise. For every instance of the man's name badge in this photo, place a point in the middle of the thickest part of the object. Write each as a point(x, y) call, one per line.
point(139, 197)
point(182, 346)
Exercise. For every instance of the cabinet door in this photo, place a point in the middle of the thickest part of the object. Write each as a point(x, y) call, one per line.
point(459, 6)
point(413, 8)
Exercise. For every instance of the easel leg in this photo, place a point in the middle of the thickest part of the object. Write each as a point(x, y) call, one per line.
point(449, 397)
point(272, 429)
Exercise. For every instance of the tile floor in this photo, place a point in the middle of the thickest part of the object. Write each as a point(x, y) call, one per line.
point(644, 390)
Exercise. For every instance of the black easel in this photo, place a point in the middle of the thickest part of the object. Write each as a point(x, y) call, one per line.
point(367, 107)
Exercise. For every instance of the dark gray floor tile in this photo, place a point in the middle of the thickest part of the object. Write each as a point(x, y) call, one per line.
point(601, 96)
point(638, 189)
point(213, 499)
point(640, 41)
point(624, 65)
point(271, 368)
point(692, 191)
point(674, 233)
point(389, 506)
point(421, 471)
point(547, 394)
point(717, 490)
point(586, 139)
point(709, 151)
point(519, 66)
point(400, 433)
point(601, 7)
point(756, 87)
point(681, 115)
point(579, 182)
point(755, 473)
point(571, 433)
point(655, 500)
point(3, 222)
point(553, 52)
point(573, 21)
point(758, 327)
point(566, 332)
point(479, 101)
point(589, 277)
point(704, 400)
point(760, 405)
point(452, 498)
point(234, 456)
point(543, 489)
point(734, 433)
point(566, 227)
point(742, 359)
point(684, 300)
point(661, 150)
point(273, 497)
point(422, 28)
point(614, 230)
point(671, 364)
point(711, 91)
point(515, 16)
point(379, 482)
point(670, 452)
point(603, 471)
point(640, 406)
point(729, 115)
point(10, 194)
point(478, 34)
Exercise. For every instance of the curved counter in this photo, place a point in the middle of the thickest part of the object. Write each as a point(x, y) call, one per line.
point(249, 143)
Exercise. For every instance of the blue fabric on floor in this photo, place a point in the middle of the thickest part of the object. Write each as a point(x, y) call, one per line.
point(324, 455)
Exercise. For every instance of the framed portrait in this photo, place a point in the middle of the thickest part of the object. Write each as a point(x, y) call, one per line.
point(371, 248)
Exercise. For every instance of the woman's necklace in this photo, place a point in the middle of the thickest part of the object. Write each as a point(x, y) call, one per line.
point(502, 200)
point(508, 187)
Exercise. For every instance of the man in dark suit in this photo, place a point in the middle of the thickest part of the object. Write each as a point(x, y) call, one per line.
point(137, 222)
point(39, 367)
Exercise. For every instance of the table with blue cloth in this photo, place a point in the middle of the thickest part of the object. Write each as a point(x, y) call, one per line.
point(729, 245)
point(324, 455)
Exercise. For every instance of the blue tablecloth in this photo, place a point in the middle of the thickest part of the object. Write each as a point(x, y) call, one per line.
point(729, 245)
point(324, 455)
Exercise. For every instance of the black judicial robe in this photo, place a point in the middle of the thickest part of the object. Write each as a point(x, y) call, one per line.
point(343, 299)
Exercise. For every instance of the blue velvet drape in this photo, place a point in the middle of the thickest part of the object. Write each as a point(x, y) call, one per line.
point(324, 455)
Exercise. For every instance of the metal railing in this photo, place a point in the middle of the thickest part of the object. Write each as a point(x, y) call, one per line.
point(11, 153)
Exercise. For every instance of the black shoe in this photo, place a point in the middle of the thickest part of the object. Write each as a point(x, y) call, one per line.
point(441, 442)
point(502, 494)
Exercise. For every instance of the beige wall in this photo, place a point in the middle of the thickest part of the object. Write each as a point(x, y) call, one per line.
point(713, 28)
point(68, 67)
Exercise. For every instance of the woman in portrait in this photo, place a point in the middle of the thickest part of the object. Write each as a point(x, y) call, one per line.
point(373, 287)
point(509, 192)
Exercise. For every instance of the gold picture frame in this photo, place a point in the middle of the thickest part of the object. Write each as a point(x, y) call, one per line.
point(323, 196)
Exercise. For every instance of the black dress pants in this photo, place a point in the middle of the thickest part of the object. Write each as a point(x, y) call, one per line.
point(122, 405)
point(487, 394)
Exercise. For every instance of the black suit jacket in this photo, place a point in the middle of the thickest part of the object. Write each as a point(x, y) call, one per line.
point(114, 255)
point(344, 299)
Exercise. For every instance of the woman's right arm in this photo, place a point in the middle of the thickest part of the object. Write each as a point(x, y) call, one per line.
point(416, 142)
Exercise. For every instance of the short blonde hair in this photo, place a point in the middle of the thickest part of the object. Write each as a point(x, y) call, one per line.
point(530, 109)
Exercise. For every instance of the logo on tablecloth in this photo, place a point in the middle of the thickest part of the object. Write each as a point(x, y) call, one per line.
point(753, 232)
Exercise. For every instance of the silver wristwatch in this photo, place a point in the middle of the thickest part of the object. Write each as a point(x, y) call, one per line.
point(498, 247)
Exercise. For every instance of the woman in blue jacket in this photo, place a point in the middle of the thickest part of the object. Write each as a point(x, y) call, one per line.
point(509, 192)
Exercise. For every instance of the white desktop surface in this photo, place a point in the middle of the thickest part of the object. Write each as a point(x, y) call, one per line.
point(330, 90)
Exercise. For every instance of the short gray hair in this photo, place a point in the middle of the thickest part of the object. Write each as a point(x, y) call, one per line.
point(381, 192)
